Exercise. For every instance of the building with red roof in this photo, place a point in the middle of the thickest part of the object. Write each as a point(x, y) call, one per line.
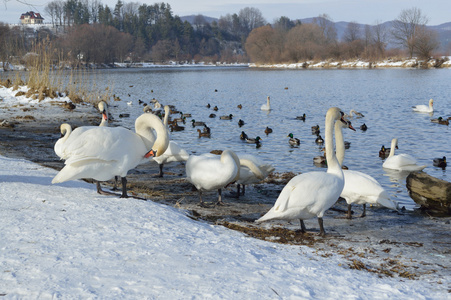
point(31, 18)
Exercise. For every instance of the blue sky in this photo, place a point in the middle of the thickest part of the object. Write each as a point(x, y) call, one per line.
point(361, 11)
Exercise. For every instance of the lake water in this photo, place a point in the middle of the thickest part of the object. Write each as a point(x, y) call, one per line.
point(384, 96)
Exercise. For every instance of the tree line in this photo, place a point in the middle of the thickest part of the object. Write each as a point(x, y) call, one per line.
point(86, 31)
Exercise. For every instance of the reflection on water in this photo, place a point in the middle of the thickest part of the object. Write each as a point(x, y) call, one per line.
point(385, 97)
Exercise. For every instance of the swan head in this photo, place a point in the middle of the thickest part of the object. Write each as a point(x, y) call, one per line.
point(431, 102)
point(65, 129)
point(103, 108)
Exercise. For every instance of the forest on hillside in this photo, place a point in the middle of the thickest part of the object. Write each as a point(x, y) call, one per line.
point(86, 31)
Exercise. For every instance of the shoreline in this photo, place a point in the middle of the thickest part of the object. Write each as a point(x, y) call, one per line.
point(405, 244)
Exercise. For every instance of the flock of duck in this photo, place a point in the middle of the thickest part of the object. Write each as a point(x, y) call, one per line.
point(103, 153)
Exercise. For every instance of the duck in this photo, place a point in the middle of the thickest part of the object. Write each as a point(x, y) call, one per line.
point(185, 115)
point(423, 108)
point(239, 106)
point(229, 117)
point(212, 172)
point(203, 133)
point(208, 105)
point(101, 153)
point(241, 123)
point(385, 152)
point(401, 162)
point(266, 106)
point(253, 140)
point(293, 141)
point(268, 130)
point(316, 130)
point(440, 162)
point(302, 118)
point(311, 194)
point(359, 188)
point(353, 113)
point(173, 153)
point(215, 108)
point(197, 123)
point(206, 129)
point(243, 135)
point(319, 140)
point(363, 127)
point(252, 170)
point(212, 116)
point(176, 127)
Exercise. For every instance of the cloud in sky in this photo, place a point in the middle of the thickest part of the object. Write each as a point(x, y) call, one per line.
point(361, 11)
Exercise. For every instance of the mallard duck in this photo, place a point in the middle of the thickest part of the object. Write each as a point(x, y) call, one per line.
point(194, 123)
point(229, 117)
point(363, 127)
point(203, 133)
point(212, 116)
point(243, 135)
point(440, 162)
point(206, 128)
point(268, 130)
point(440, 120)
point(208, 105)
point(293, 141)
point(185, 115)
point(315, 130)
point(240, 106)
point(302, 118)
point(252, 140)
point(215, 108)
point(319, 140)
point(240, 123)
point(176, 127)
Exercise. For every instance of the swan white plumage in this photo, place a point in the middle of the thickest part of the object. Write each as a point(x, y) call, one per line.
point(209, 171)
point(355, 113)
point(401, 162)
point(252, 170)
point(310, 194)
point(266, 106)
point(103, 107)
point(359, 188)
point(66, 130)
point(174, 152)
point(425, 108)
point(101, 153)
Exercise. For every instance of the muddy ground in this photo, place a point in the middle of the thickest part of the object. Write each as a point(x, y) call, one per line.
point(405, 244)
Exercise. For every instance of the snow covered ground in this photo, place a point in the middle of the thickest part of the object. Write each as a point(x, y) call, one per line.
point(66, 241)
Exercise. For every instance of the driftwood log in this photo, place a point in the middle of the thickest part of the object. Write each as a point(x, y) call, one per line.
point(433, 194)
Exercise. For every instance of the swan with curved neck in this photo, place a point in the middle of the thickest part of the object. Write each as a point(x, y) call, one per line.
point(311, 194)
point(252, 170)
point(424, 108)
point(103, 107)
point(359, 188)
point(266, 106)
point(101, 153)
point(66, 131)
point(209, 171)
point(174, 152)
point(401, 162)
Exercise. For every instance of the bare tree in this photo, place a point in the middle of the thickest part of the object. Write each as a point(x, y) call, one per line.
point(380, 37)
point(426, 42)
point(405, 27)
point(327, 25)
point(352, 32)
point(251, 18)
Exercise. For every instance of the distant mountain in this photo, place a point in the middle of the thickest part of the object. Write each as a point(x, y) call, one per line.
point(190, 19)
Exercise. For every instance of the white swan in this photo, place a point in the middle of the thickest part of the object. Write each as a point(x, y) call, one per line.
point(252, 170)
point(209, 171)
point(266, 106)
point(104, 152)
point(401, 162)
point(352, 112)
point(424, 108)
point(103, 107)
point(311, 194)
point(359, 188)
point(59, 147)
point(174, 152)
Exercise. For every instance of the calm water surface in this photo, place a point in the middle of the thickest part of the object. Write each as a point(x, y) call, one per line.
point(384, 96)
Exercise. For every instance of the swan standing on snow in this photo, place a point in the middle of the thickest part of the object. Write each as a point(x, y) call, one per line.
point(311, 194)
point(209, 171)
point(174, 152)
point(401, 162)
point(101, 153)
point(252, 170)
point(424, 108)
point(266, 106)
point(66, 130)
point(359, 188)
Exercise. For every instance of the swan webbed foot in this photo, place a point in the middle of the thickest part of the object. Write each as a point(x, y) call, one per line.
point(102, 192)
